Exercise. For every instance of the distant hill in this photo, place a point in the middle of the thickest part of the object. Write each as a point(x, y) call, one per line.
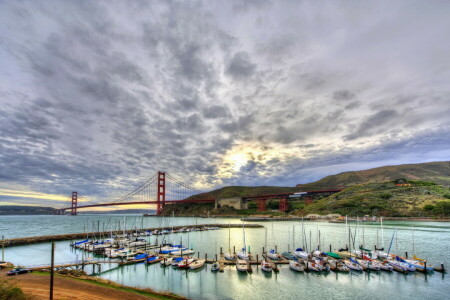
point(120, 211)
point(26, 210)
point(244, 191)
point(438, 172)
point(385, 199)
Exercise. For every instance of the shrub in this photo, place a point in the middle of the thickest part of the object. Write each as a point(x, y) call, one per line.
point(442, 207)
point(385, 196)
point(252, 205)
point(422, 183)
point(9, 291)
point(429, 207)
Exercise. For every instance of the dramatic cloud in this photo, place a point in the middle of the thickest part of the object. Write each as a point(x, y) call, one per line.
point(96, 96)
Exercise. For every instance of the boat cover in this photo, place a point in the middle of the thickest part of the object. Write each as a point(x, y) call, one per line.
point(82, 242)
point(333, 255)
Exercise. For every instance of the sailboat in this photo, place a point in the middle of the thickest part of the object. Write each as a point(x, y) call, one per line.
point(197, 264)
point(379, 253)
point(241, 265)
point(419, 263)
point(314, 266)
point(228, 255)
point(300, 252)
point(266, 267)
point(272, 253)
point(215, 267)
point(243, 253)
point(297, 266)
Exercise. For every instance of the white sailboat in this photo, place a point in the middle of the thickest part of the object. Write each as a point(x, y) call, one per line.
point(228, 255)
point(266, 267)
point(243, 253)
point(297, 266)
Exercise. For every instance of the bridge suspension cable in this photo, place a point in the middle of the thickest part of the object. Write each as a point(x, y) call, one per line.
point(158, 189)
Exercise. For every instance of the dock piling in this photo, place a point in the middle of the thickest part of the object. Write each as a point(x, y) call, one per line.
point(234, 249)
point(257, 258)
point(221, 250)
point(406, 254)
point(52, 271)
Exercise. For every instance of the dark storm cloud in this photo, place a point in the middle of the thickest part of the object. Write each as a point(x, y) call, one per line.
point(353, 105)
point(216, 112)
point(343, 95)
point(240, 66)
point(248, 5)
point(374, 122)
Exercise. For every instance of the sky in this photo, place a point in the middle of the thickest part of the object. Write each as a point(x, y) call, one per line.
point(97, 96)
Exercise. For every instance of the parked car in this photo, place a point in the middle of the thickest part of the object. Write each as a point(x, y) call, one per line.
point(18, 271)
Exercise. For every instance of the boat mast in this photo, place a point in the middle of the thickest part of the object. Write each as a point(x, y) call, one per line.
point(265, 241)
point(243, 230)
point(392, 240)
point(229, 237)
point(273, 237)
point(303, 234)
point(414, 250)
point(349, 242)
point(293, 237)
point(364, 241)
point(396, 241)
point(382, 233)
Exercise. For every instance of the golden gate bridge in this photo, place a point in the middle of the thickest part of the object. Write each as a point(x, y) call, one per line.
point(162, 189)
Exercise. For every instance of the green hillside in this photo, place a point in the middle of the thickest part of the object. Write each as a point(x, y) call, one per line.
point(245, 191)
point(386, 199)
point(438, 172)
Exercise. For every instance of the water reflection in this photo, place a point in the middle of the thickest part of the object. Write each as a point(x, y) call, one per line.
point(432, 242)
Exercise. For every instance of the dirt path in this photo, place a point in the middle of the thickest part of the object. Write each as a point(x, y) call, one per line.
point(69, 288)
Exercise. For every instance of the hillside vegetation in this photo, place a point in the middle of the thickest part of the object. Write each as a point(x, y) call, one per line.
point(245, 191)
point(386, 199)
point(438, 172)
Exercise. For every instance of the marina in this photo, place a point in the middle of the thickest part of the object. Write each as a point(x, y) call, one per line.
point(213, 274)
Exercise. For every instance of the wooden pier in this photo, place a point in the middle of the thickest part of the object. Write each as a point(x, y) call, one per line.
point(77, 265)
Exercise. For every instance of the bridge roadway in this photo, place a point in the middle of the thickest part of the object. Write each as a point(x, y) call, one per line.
point(142, 202)
point(247, 198)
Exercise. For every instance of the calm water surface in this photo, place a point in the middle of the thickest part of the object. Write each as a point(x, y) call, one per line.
point(431, 241)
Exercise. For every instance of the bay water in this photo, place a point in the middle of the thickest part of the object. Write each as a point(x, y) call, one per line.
point(430, 240)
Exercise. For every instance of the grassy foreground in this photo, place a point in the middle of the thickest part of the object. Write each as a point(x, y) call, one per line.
point(114, 285)
point(10, 291)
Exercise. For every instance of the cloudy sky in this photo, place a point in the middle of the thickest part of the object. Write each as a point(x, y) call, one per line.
point(96, 96)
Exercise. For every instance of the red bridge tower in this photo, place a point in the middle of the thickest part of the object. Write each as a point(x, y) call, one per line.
point(73, 211)
point(161, 200)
